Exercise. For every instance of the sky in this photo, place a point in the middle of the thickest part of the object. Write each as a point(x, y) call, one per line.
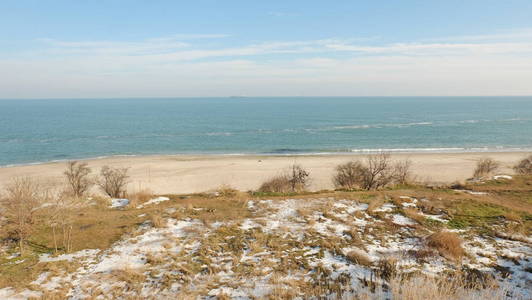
point(142, 48)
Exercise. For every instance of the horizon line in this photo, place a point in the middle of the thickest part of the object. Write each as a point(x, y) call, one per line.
point(243, 97)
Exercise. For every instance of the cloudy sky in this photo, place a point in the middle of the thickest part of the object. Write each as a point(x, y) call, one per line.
point(88, 49)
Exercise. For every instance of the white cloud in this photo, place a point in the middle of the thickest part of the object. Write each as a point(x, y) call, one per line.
point(171, 67)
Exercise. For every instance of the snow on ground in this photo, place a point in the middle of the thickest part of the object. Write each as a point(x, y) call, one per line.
point(154, 201)
point(118, 203)
point(69, 257)
point(471, 192)
point(282, 245)
point(402, 220)
point(497, 177)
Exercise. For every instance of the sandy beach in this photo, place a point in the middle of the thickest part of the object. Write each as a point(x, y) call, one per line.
point(165, 174)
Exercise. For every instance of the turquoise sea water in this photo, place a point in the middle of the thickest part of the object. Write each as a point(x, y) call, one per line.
point(58, 129)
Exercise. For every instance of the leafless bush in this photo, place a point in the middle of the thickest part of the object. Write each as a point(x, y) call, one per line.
point(77, 175)
point(113, 181)
point(377, 173)
point(402, 172)
point(485, 167)
point(298, 178)
point(276, 184)
point(294, 180)
point(524, 166)
point(23, 197)
point(349, 175)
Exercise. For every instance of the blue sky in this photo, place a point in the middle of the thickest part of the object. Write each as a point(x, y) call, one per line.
point(264, 48)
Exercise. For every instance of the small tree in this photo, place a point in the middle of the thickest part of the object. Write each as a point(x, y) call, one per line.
point(113, 181)
point(524, 166)
point(379, 173)
point(402, 171)
point(485, 167)
point(298, 178)
point(23, 198)
point(61, 218)
point(349, 175)
point(77, 175)
point(293, 180)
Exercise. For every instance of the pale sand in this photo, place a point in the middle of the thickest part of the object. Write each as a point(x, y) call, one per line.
point(188, 174)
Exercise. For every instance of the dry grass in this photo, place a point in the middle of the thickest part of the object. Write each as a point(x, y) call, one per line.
point(443, 288)
point(374, 204)
point(276, 184)
point(157, 221)
point(140, 197)
point(359, 258)
point(414, 214)
point(387, 267)
point(226, 191)
point(99, 226)
point(295, 179)
point(448, 244)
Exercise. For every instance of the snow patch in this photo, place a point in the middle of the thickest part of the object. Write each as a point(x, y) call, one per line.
point(118, 203)
point(154, 201)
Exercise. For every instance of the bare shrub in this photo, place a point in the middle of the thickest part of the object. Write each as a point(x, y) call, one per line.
point(448, 244)
point(276, 184)
point(524, 166)
point(377, 173)
point(349, 175)
point(23, 197)
point(62, 214)
point(402, 172)
point(298, 178)
point(77, 175)
point(226, 191)
point(294, 180)
point(485, 167)
point(113, 181)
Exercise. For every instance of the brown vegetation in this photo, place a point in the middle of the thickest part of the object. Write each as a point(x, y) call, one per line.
point(359, 257)
point(139, 197)
point(402, 171)
point(294, 180)
point(349, 175)
point(77, 175)
point(24, 196)
point(524, 166)
point(485, 167)
point(376, 173)
point(448, 244)
point(113, 181)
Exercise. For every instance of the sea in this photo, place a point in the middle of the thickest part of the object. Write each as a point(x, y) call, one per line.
point(43, 130)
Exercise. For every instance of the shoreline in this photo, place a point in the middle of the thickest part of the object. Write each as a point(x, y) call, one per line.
point(353, 152)
point(181, 174)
